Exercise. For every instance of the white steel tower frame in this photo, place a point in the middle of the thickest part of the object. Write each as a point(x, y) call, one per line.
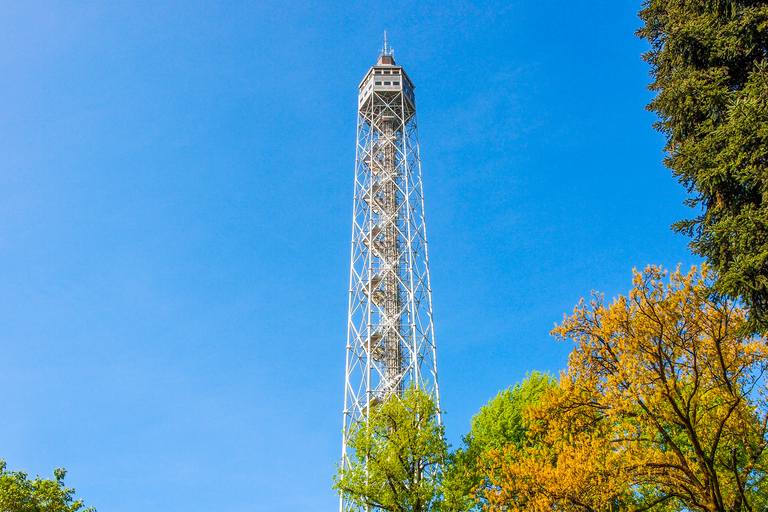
point(390, 332)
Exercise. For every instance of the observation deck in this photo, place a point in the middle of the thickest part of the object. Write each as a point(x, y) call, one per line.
point(386, 77)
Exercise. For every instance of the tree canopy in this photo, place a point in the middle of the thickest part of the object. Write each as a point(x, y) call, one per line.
point(661, 408)
point(709, 64)
point(20, 494)
point(498, 424)
point(396, 456)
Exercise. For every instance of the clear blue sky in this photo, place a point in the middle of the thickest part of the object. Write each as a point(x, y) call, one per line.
point(176, 199)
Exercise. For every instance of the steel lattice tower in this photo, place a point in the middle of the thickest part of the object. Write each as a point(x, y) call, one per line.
point(390, 337)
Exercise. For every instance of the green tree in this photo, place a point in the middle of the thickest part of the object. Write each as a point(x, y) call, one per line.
point(20, 494)
point(396, 456)
point(709, 65)
point(496, 425)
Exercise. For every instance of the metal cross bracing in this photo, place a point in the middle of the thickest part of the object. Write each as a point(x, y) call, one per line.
point(390, 340)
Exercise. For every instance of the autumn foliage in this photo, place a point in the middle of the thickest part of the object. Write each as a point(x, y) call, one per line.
point(661, 408)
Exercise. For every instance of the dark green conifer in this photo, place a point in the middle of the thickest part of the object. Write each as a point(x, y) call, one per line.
point(709, 66)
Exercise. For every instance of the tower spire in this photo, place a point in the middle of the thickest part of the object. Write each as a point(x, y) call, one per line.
point(386, 54)
point(387, 50)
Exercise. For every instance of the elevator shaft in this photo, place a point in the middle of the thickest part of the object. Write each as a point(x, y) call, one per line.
point(390, 260)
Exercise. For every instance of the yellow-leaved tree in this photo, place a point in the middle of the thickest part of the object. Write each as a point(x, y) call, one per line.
point(661, 408)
